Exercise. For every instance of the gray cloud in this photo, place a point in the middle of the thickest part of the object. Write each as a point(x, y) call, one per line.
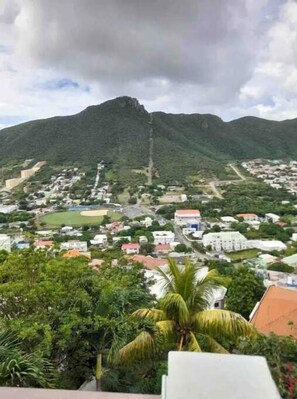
point(206, 44)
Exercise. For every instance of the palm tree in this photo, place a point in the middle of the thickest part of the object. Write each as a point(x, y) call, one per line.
point(182, 319)
point(20, 369)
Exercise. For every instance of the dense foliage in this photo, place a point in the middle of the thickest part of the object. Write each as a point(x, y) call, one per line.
point(244, 291)
point(68, 313)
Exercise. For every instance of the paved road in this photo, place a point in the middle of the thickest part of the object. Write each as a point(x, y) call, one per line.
point(181, 238)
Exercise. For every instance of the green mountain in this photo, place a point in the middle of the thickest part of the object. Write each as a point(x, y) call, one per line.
point(119, 131)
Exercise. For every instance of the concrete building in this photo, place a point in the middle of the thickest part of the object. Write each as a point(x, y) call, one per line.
point(5, 242)
point(225, 241)
point(290, 260)
point(81, 246)
point(131, 249)
point(6, 209)
point(267, 245)
point(163, 237)
point(100, 240)
point(143, 240)
point(187, 217)
point(272, 217)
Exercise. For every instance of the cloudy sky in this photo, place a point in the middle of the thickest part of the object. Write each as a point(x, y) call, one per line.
point(228, 57)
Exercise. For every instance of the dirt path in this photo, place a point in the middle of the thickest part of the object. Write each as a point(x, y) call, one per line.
point(216, 192)
point(237, 171)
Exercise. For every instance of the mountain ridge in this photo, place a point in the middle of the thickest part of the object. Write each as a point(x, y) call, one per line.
point(118, 131)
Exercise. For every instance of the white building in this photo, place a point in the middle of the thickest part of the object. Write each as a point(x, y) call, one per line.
point(100, 239)
point(163, 237)
point(272, 217)
point(81, 246)
point(143, 240)
point(8, 208)
point(147, 222)
point(267, 245)
point(5, 242)
point(225, 241)
point(186, 217)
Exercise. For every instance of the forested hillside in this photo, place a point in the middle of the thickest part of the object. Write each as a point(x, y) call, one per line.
point(118, 131)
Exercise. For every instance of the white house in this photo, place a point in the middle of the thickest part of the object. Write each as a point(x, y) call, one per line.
point(225, 241)
point(5, 242)
point(100, 239)
point(147, 222)
point(131, 248)
point(8, 208)
point(143, 240)
point(81, 246)
point(272, 217)
point(163, 237)
point(186, 217)
point(267, 245)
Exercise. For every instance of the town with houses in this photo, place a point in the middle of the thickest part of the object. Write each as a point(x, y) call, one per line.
point(70, 214)
point(137, 230)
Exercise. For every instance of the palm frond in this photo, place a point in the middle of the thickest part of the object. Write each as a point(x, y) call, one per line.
point(167, 329)
point(212, 344)
point(175, 307)
point(206, 284)
point(153, 314)
point(140, 349)
point(222, 322)
point(193, 345)
point(169, 276)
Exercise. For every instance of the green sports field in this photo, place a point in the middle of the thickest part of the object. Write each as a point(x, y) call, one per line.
point(74, 218)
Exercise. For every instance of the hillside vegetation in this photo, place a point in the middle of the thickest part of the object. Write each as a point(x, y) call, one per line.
point(118, 131)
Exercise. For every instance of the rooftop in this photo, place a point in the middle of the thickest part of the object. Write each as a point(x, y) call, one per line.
point(149, 262)
point(276, 312)
point(130, 246)
point(185, 212)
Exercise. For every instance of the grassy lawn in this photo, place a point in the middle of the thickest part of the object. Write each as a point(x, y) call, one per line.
point(241, 255)
point(74, 218)
point(124, 196)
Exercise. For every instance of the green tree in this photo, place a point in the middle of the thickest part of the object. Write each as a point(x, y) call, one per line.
point(182, 319)
point(281, 267)
point(182, 248)
point(245, 290)
point(21, 369)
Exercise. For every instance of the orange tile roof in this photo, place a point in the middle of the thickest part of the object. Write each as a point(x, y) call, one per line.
point(184, 212)
point(149, 262)
point(72, 253)
point(276, 312)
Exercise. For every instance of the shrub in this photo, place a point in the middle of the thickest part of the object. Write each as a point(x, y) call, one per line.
point(281, 267)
